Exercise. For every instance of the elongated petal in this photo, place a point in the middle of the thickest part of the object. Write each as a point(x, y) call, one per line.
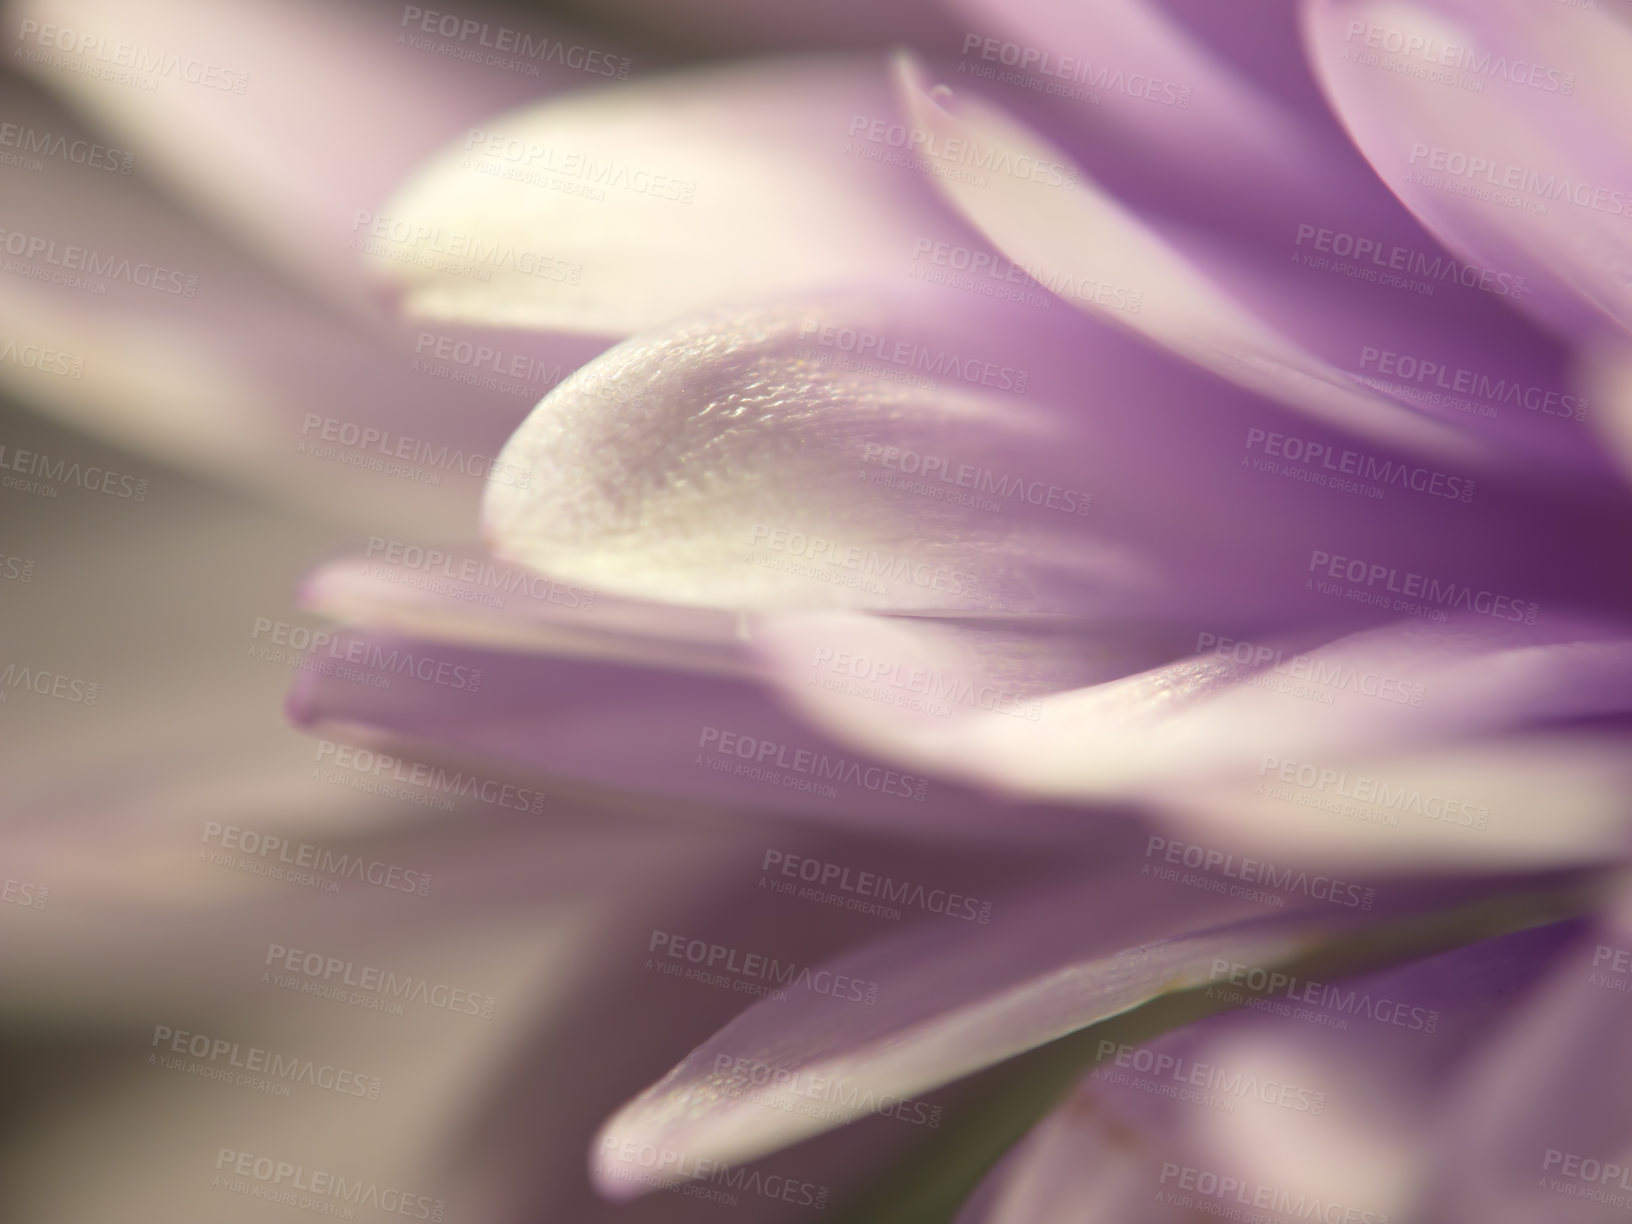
point(1274, 320)
point(740, 462)
point(636, 204)
point(1487, 142)
point(1221, 713)
point(1051, 969)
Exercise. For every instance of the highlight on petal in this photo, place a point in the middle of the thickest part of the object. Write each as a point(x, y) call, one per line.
point(738, 461)
point(1218, 715)
point(1488, 146)
point(1038, 207)
point(928, 1007)
point(943, 1009)
point(1509, 802)
point(617, 209)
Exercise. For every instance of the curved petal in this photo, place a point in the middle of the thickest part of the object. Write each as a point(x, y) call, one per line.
point(739, 461)
point(1221, 714)
point(926, 1008)
point(1039, 209)
point(1486, 144)
point(1505, 803)
point(629, 206)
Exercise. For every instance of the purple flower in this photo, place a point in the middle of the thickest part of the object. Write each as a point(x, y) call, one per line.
point(1171, 464)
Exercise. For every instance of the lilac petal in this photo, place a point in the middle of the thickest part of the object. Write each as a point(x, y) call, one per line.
point(947, 1004)
point(311, 115)
point(1503, 803)
point(1070, 227)
point(723, 186)
point(1219, 714)
point(1539, 1128)
point(460, 595)
point(1508, 170)
point(779, 457)
point(698, 740)
point(740, 461)
point(1155, 82)
point(1330, 1113)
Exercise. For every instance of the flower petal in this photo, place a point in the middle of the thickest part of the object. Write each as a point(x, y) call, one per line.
point(1043, 213)
point(1483, 142)
point(1217, 715)
point(701, 188)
